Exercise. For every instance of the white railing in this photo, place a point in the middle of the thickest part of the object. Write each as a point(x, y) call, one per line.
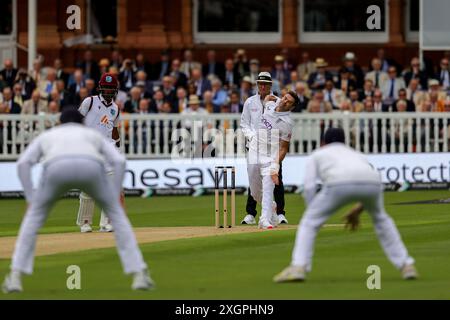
point(159, 135)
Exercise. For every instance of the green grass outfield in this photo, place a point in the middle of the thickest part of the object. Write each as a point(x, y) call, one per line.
point(241, 266)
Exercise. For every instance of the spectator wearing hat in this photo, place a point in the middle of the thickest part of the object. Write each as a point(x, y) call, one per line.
point(230, 77)
point(189, 63)
point(254, 70)
point(212, 67)
point(317, 79)
point(377, 76)
point(355, 70)
point(193, 109)
point(279, 72)
point(434, 86)
point(251, 115)
point(414, 72)
point(391, 87)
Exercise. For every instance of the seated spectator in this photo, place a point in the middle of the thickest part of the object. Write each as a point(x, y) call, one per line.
point(414, 94)
point(317, 79)
point(279, 73)
point(181, 101)
point(75, 87)
point(241, 65)
point(402, 96)
point(127, 77)
point(142, 64)
point(143, 106)
point(414, 72)
point(64, 96)
point(35, 105)
point(368, 105)
point(168, 90)
point(305, 67)
point(60, 74)
point(254, 70)
point(345, 83)
point(132, 105)
point(378, 104)
point(104, 65)
point(367, 90)
point(434, 86)
point(9, 73)
point(89, 66)
point(317, 104)
point(82, 94)
point(8, 101)
point(235, 105)
point(91, 86)
point(161, 68)
point(392, 86)
point(157, 102)
point(377, 75)
point(189, 63)
point(193, 109)
point(300, 89)
point(230, 77)
point(246, 89)
point(219, 95)
point(387, 62)
point(145, 85)
point(434, 103)
point(37, 73)
point(208, 101)
point(355, 104)
point(19, 98)
point(443, 74)
point(46, 86)
point(201, 84)
point(116, 59)
point(332, 95)
point(53, 107)
point(180, 79)
point(293, 80)
point(212, 67)
point(356, 73)
point(27, 83)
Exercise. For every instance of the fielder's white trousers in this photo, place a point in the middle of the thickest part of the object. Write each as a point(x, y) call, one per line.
point(59, 176)
point(261, 188)
point(328, 201)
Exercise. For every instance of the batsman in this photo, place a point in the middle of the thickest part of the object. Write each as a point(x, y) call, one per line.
point(101, 113)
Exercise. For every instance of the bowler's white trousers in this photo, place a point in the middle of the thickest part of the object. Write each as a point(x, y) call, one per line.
point(59, 176)
point(261, 187)
point(328, 201)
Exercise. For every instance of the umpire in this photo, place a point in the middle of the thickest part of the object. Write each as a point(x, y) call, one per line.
point(251, 115)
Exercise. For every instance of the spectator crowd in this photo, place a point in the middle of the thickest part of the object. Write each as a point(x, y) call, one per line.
point(187, 86)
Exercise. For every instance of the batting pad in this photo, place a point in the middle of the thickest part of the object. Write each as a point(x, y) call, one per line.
point(86, 210)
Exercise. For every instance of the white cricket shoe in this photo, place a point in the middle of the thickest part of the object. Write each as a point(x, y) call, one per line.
point(249, 219)
point(282, 219)
point(142, 281)
point(85, 228)
point(409, 272)
point(12, 283)
point(264, 224)
point(106, 228)
point(291, 274)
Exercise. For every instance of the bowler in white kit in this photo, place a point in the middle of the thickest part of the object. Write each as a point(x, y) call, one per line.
point(267, 148)
point(61, 149)
point(346, 177)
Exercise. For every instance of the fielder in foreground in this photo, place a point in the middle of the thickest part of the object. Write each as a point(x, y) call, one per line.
point(63, 148)
point(347, 177)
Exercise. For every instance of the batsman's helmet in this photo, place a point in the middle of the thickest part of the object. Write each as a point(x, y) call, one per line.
point(108, 86)
point(334, 135)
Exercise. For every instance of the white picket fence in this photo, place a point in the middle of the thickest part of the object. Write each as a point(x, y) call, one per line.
point(159, 135)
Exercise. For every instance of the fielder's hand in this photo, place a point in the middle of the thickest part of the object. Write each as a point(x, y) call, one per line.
point(275, 179)
point(352, 218)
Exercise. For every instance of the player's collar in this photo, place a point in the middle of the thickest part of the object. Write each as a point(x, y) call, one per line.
point(104, 101)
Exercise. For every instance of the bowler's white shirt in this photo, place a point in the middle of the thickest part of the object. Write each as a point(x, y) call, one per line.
point(251, 115)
